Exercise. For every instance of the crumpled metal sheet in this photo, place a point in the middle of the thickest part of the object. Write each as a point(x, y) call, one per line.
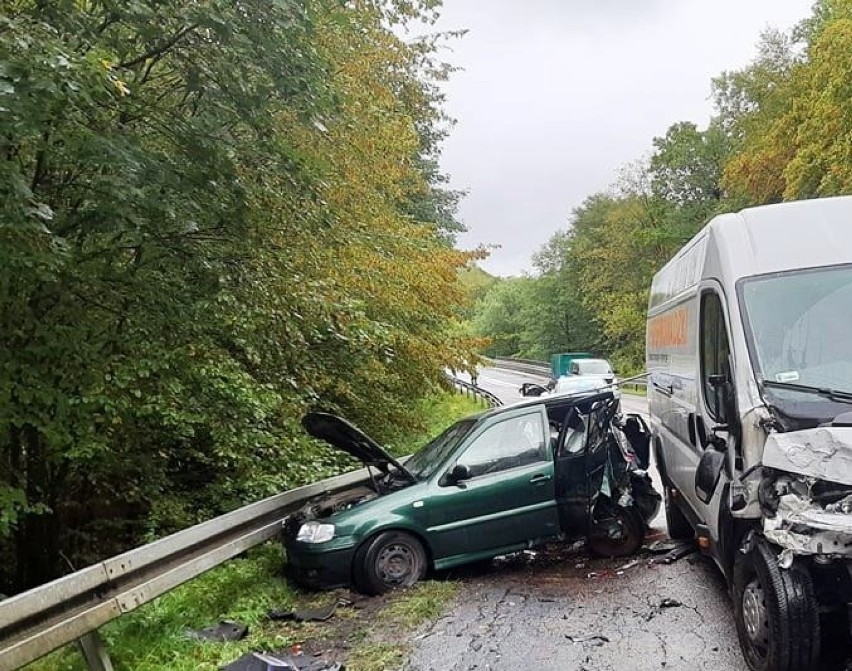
point(806, 528)
point(824, 453)
point(226, 630)
point(262, 661)
point(319, 614)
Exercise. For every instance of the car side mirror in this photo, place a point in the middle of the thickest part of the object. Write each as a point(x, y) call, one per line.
point(458, 473)
point(708, 473)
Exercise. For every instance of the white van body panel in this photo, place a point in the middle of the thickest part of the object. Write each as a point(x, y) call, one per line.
point(756, 241)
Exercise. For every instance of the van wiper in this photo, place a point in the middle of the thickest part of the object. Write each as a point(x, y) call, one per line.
point(833, 394)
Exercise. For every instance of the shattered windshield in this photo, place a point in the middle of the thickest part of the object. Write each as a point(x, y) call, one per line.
point(424, 462)
point(799, 324)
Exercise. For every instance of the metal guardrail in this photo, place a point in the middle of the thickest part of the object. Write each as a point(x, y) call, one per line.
point(38, 621)
point(637, 383)
point(471, 389)
point(541, 368)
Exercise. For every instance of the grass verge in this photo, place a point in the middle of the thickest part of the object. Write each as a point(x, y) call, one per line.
point(153, 637)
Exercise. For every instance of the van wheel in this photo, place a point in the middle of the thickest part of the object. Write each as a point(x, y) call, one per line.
point(679, 527)
point(617, 534)
point(776, 612)
point(390, 560)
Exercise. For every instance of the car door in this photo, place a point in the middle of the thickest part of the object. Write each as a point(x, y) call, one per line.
point(580, 461)
point(509, 497)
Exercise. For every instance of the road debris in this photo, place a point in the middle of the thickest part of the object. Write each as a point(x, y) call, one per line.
point(264, 661)
point(320, 614)
point(670, 603)
point(596, 640)
point(677, 550)
point(226, 630)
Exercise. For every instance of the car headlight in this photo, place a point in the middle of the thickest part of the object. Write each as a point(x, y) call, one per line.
point(315, 532)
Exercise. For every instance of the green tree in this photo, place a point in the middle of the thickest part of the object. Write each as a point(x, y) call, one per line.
point(214, 215)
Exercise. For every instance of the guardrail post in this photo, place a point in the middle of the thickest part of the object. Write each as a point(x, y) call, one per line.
point(95, 652)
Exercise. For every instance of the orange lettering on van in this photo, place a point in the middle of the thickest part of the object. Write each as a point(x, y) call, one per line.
point(669, 329)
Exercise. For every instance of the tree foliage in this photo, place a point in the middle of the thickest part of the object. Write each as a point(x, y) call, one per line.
point(213, 216)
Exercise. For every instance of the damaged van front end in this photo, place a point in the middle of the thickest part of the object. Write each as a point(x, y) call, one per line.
point(805, 493)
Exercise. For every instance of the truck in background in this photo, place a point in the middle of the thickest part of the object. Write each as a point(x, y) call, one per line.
point(560, 364)
point(749, 355)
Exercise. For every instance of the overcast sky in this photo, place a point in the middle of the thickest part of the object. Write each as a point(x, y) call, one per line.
point(556, 95)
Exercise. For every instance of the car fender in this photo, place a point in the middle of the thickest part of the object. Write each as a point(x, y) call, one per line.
point(396, 523)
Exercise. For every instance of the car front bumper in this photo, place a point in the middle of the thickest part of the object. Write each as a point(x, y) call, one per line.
point(319, 566)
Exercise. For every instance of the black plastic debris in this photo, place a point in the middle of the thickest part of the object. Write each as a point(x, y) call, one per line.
point(665, 604)
point(673, 551)
point(320, 614)
point(262, 661)
point(226, 630)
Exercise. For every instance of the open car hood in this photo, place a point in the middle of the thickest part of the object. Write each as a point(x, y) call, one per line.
point(339, 433)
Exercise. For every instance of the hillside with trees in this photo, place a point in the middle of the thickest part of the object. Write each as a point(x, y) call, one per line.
point(214, 216)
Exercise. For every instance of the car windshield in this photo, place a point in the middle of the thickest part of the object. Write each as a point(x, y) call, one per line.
point(800, 325)
point(424, 462)
point(593, 367)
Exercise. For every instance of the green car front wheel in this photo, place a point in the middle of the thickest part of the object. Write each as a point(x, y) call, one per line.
point(389, 560)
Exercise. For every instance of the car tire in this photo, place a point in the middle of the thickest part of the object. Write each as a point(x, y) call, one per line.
point(388, 561)
point(633, 533)
point(776, 612)
point(677, 523)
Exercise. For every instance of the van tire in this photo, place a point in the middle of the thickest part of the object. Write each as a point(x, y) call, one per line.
point(776, 612)
point(676, 522)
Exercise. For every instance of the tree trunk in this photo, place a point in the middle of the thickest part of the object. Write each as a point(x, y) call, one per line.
point(37, 534)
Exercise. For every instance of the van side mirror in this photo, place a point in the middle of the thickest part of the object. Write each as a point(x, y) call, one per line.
point(708, 473)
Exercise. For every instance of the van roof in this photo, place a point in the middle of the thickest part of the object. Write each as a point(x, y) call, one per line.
point(761, 240)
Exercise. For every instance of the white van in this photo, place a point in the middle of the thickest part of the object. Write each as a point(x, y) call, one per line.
point(749, 354)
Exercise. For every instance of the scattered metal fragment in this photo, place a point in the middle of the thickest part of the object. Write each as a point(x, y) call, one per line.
point(595, 639)
point(226, 630)
point(263, 661)
point(629, 565)
point(320, 614)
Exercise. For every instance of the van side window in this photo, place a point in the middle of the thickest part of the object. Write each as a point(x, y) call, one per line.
point(714, 352)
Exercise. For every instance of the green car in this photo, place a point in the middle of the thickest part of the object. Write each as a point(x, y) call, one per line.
point(494, 483)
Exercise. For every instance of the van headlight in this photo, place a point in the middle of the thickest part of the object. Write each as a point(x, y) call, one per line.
point(315, 532)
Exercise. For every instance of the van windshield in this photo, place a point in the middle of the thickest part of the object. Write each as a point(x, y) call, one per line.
point(593, 367)
point(800, 325)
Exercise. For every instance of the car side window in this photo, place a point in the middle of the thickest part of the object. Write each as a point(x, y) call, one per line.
point(575, 435)
point(513, 442)
point(715, 352)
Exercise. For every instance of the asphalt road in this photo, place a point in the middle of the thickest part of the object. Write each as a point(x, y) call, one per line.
point(558, 609)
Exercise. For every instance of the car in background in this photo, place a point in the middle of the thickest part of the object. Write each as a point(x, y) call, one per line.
point(497, 482)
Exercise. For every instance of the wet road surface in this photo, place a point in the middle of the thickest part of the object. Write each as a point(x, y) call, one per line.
point(579, 614)
point(560, 610)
